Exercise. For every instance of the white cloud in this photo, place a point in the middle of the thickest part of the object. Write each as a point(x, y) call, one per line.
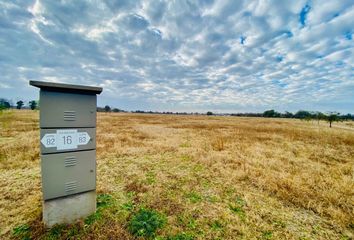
point(227, 55)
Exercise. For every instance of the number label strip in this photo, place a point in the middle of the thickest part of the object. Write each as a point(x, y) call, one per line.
point(65, 139)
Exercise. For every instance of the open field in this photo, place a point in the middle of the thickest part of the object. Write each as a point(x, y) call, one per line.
point(210, 177)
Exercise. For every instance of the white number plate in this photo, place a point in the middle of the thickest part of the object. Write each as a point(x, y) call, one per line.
point(65, 139)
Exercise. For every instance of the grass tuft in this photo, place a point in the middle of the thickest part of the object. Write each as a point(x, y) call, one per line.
point(181, 236)
point(194, 197)
point(93, 218)
point(56, 231)
point(267, 235)
point(146, 222)
point(217, 225)
point(238, 208)
point(104, 200)
point(218, 144)
point(22, 232)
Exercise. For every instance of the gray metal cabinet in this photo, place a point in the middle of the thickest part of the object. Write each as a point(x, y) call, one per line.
point(68, 138)
point(68, 173)
point(65, 109)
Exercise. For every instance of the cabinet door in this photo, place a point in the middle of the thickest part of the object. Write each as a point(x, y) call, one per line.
point(67, 110)
point(65, 174)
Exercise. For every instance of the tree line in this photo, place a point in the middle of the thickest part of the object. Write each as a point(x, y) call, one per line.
point(6, 104)
point(107, 108)
point(301, 114)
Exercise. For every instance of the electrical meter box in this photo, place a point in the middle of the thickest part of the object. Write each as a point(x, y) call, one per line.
point(67, 139)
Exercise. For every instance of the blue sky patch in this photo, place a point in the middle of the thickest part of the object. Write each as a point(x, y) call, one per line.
point(348, 35)
point(242, 40)
point(303, 14)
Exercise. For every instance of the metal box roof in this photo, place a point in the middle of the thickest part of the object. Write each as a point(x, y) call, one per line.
point(61, 87)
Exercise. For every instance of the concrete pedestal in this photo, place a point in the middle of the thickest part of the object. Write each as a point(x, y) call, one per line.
point(69, 209)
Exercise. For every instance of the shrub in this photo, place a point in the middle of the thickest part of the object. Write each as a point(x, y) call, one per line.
point(146, 222)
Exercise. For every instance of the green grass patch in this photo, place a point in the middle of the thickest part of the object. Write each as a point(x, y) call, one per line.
point(22, 232)
point(64, 231)
point(185, 145)
point(238, 208)
point(198, 167)
point(194, 197)
point(279, 224)
point(187, 221)
point(150, 178)
point(217, 225)
point(75, 230)
point(267, 235)
point(104, 200)
point(186, 158)
point(181, 236)
point(146, 222)
point(93, 218)
point(56, 231)
point(128, 206)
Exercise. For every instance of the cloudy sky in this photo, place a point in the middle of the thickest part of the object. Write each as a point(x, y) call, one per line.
point(224, 56)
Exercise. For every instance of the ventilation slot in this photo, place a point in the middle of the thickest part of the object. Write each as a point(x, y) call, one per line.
point(69, 115)
point(70, 186)
point(70, 161)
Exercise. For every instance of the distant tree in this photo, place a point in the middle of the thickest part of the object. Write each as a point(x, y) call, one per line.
point(347, 117)
point(271, 113)
point(117, 110)
point(209, 113)
point(19, 104)
point(33, 104)
point(302, 114)
point(319, 116)
point(288, 114)
point(4, 104)
point(332, 117)
point(268, 113)
point(107, 108)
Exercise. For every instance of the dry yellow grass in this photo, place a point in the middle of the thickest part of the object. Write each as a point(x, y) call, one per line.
point(213, 177)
